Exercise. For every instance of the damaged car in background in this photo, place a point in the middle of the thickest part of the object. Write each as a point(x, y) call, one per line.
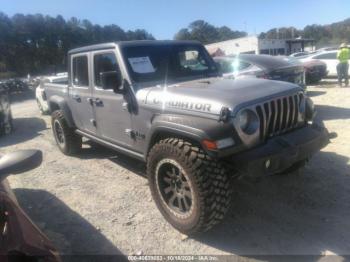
point(20, 240)
point(262, 66)
point(165, 103)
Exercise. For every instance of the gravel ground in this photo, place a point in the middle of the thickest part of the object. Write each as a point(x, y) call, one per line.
point(99, 202)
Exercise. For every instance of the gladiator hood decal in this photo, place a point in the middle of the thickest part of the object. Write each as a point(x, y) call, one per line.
point(211, 95)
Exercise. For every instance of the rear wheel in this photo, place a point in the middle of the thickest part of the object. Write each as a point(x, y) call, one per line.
point(6, 125)
point(191, 190)
point(67, 140)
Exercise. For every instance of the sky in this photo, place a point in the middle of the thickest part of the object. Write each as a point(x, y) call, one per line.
point(164, 18)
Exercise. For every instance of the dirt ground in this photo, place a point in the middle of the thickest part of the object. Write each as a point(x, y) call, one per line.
point(99, 202)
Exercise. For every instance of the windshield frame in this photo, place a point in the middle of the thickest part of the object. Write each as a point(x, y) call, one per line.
point(211, 72)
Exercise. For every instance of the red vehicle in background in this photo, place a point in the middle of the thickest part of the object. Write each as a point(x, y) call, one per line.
point(20, 239)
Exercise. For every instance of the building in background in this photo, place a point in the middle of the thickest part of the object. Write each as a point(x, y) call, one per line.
point(254, 45)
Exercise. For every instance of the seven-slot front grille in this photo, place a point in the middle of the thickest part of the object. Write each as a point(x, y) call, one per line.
point(278, 115)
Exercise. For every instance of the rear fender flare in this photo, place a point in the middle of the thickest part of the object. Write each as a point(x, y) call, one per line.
point(59, 103)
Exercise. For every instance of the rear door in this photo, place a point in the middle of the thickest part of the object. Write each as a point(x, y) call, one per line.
point(113, 118)
point(80, 93)
point(330, 58)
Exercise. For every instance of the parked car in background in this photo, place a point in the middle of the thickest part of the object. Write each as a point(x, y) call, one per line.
point(327, 48)
point(299, 54)
point(262, 66)
point(15, 85)
point(21, 239)
point(34, 82)
point(327, 57)
point(315, 71)
point(5, 112)
point(58, 80)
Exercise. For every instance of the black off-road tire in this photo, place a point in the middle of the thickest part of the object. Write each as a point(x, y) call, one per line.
point(209, 180)
point(6, 127)
point(41, 109)
point(71, 142)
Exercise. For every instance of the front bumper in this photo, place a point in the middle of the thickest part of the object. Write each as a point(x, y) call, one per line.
point(281, 152)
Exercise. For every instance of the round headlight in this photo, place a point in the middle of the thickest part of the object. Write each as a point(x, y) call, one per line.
point(248, 121)
point(243, 119)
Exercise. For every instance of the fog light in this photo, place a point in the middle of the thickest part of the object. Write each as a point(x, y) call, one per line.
point(267, 163)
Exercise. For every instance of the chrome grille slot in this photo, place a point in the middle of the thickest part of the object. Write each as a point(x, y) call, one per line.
point(278, 116)
point(263, 121)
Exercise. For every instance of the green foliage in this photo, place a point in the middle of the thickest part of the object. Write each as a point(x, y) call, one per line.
point(206, 33)
point(6, 75)
point(324, 35)
point(38, 44)
point(281, 33)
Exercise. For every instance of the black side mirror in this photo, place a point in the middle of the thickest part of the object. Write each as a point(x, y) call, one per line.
point(19, 162)
point(112, 80)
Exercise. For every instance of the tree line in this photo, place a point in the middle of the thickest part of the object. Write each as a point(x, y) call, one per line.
point(206, 33)
point(38, 44)
point(324, 35)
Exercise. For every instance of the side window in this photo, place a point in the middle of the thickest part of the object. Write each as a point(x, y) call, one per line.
point(192, 60)
point(80, 71)
point(327, 56)
point(104, 63)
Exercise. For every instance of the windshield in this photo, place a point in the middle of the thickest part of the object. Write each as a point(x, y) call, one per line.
point(171, 62)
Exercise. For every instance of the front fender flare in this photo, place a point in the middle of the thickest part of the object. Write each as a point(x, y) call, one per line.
point(193, 128)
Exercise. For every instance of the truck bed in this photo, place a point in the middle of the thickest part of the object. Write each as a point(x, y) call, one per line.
point(52, 89)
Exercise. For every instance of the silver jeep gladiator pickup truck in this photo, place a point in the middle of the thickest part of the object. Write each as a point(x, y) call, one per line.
point(164, 102)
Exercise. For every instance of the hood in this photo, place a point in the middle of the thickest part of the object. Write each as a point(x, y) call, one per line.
point(211, 95)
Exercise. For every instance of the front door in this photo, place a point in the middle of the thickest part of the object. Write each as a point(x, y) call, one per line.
point(113, 118)
point(80, 94)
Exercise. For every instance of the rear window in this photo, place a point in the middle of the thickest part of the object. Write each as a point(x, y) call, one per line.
point(80, 71)
point(327, 56)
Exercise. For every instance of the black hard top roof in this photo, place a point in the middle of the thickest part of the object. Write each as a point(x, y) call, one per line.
point(130, 43)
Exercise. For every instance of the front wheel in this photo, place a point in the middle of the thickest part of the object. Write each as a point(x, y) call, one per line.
point(67, 140)
point(191, 190)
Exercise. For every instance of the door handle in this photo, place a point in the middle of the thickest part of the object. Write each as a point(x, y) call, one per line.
point(90, 101)
point(98, 102)
point(77, 98)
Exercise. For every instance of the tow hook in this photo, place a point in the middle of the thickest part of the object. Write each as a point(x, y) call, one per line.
point(332, 135)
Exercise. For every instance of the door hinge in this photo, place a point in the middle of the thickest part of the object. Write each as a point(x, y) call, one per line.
point(130, 133)
point(93, 122)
